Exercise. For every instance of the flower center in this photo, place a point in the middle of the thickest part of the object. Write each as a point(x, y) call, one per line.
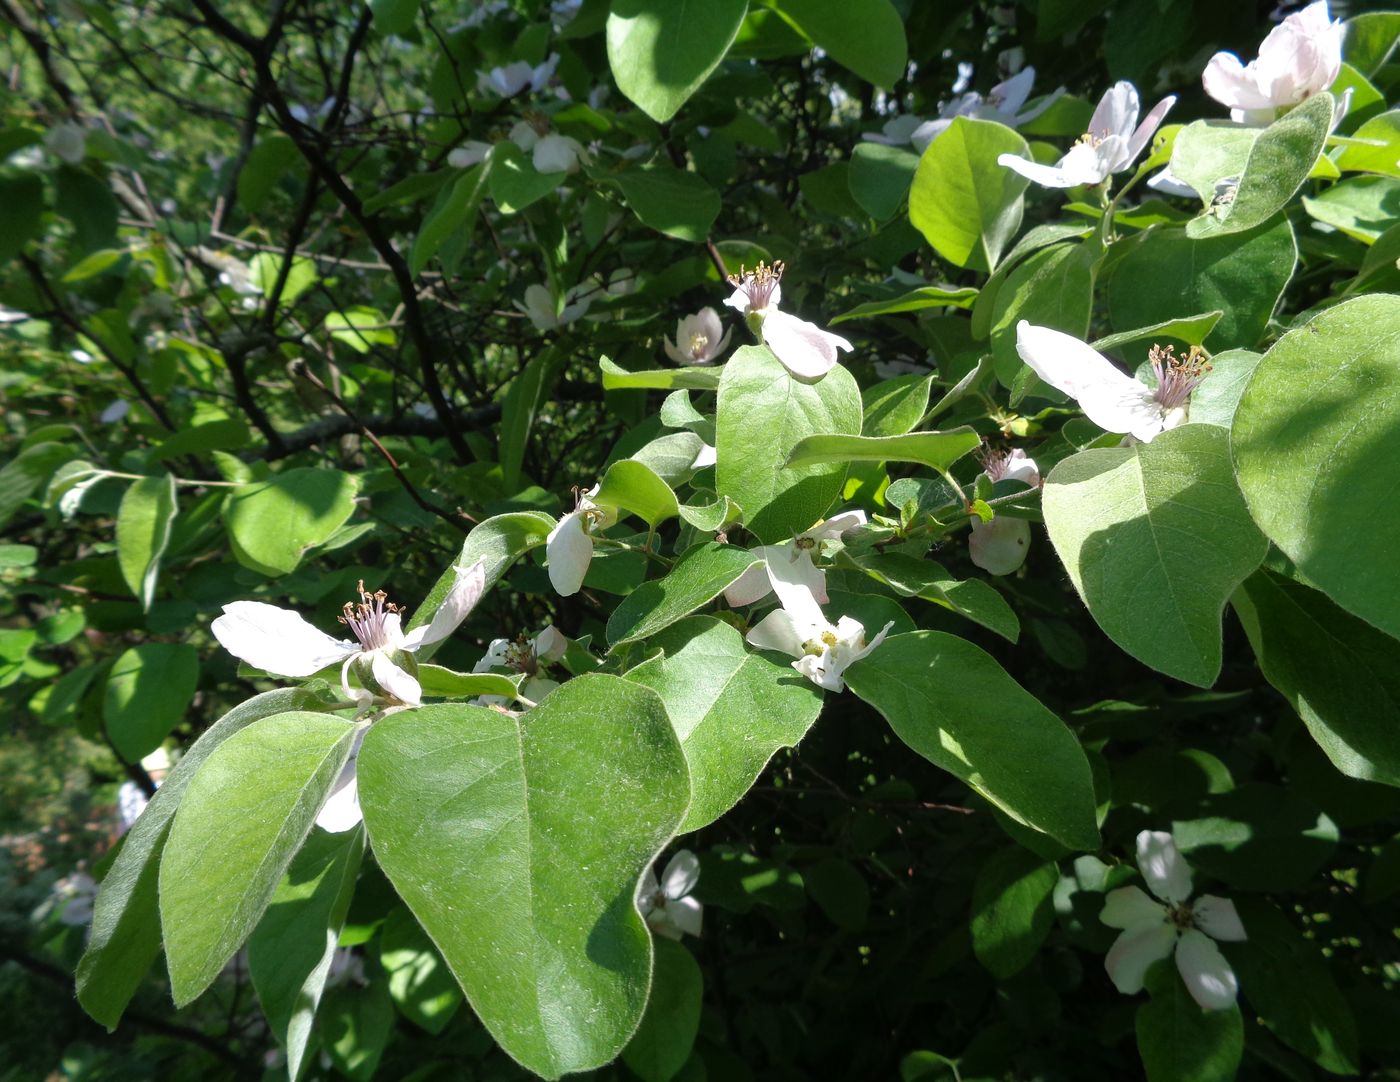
point(698, 344)
point(520, 656)
point(803, 544)
point(1180, 917)
point(1177, 376)
point(995, 462)
point(759, 283)
point(368, 620)
point(1092, 139)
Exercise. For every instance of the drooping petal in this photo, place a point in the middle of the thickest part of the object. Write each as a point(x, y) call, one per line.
point(779, 631)
point(1081, 165)
point(550, 644)
point(569, 550)
point(1021, 467)
point(1207, 974)
point(1127, 408)
point(806, 350)
point(706, 456)
point(1133, 953)
point(751, 586)
point(1167, 874)
point(838, 525)
point(999, 547)
point(681, 874)
point(277, 641)
point(394, 680)
point(687, 915)
point(1131, 907)
point(466, 591)
point(673, 351)
point(1218, 919)
point(796, 580)
point(1148, 128)
point(871, 643)
point(1072, 366)
point(815, 669)
point(1230, 83)
point(1117, 111)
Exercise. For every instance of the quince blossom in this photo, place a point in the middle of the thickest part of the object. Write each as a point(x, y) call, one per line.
point(1002, 103)
point(700, 338)
point(804, 348)
point(569, 546)
point(525, 656)
point(1302, 56)
point(999, 547)
point(1154, 928)
point(511, 79)
point(824, 651)
point(1112, 399)
point(549, 151)
point(1113, 142)
point(790, 567)
point(665, 904)
point(548, 315)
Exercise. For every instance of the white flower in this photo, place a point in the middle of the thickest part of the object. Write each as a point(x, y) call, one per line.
point(1302, 56)
point(706, 456)
point(527, 656)
point(73, 897)
point(1002, 104)
point(550, 152)
point(115, 411)
point(1000, 546)
point(666, 905)
point(1112, 143)
point(470, 153)
point(341, 811)
point(546, 314)
point(511, 79)
point(1154, 929)
point(789, 567)
point(804, 348)
point(1112, 399)
point(279, 641)
point(823, 651)
point(700, 338)
point(569, 546)
point(67, 142)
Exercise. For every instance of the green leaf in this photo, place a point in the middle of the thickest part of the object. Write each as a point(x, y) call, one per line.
point(438, 682)
point(895, 406)
point(290, 951)
point(1358, 157)
point(1258, 837)
point(1052, 287)
point(419, 980)
point(671, 457)
point(271, 524)
point(1290, 987)
point(21, 477)
point(732, 709)
point(1180, 1042)
point(449, 215)
point(673, 202)
point(1192, 330)
point(1314, 449)
point(1361, 207)
point(880, 178)
point(1339, 673)
point(1011, 910)
point(1371, 38)
point(242, 820)
point(393, 17)
point(924, 578)
point(518, 844)
point(1215, 400)
point(936, 450)
point(763, 413)
point(21, 212)
point(697, 578)
point(915, 300)
point(1205, 152)
point(662, 1043)
point(953, 704)
point(514, 181)
point(1240, 274)
point(356, 1024)
point(1155, 538)
point(1279, 161)
point(125, 936)
point(225, 434)
point(527, 392)
point(360, 328)
point(143, 531)
point(966, 205)
point(695, 377)
point(633, 487)
point(840, 891)
point(148, 690)
point(661, 51)
point(866, 38)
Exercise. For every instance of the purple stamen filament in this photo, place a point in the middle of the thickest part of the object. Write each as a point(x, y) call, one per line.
point(1177, 376)
point(367, 619)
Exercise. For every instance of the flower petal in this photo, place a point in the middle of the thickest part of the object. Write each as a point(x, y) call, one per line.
point(550, 644)
point(1072, 366)
point(569, 550)
point(1148, 128)
point(799, 583)
point(1133, 953)
point(1162, 865)
point(779, 631)
point(751, 586)
point(999, 547)
point(277, 641)
point(1230, 83)
point(738, 299)
point(681, 874)
point(687, 915)
point(838, 525)
point(805, 349)
point(341, 811)
point(673, 352)
point(465, 592)
point(1131, 907)
point(1207, 974)
point(1218, 919)
point(1117, 111)
point(394, 680)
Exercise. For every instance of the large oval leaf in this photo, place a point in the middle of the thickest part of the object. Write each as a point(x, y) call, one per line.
point(148, 690)
point(952, 703)
point(272, 523)
point(143, 530)
point(763, 412)
point(661, 51)
point(697, 578)
point(1316, 441)
point(1156, 537)
point(518, 844)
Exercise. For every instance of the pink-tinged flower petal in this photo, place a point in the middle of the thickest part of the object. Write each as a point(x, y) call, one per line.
point(1230, 83)
point(1207, 974)
point(1083, 164)
point(1012, 93)
point(779, 631)
point(1218, 919)
point(1148, 128)
point(751, 586)
point(1133, 953)
point(277, 641)
point(569, 550)
point(466, 591)
point(799, 583)
point(999, 547)
point(1167, 874)
point(681, 874)
point(673, 351)
point(394, 680)
point(1117, 111)
point(806, 350)
point(1130, 907)
point(1074, 367)
point(687, 915)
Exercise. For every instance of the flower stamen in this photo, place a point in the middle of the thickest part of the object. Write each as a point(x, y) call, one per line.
point(758, 284)
point(368, 619)
point(1177, 377)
